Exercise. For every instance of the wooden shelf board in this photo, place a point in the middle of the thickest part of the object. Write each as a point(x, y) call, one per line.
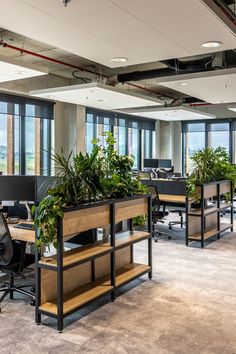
point(91, 291)
point(79, 297)
point(210, 233)
point(129, 272)
point(207, 211)
point(126, 238)
point(224, 206)
point(224, 227)
point(207, 234)
point(76, 255)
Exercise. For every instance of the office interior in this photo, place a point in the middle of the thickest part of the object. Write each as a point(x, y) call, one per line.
point(152, 272)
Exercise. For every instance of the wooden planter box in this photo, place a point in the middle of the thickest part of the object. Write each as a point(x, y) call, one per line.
point(72, 279)
point(205, 223)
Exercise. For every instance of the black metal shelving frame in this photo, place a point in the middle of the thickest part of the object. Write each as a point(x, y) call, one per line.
point(204, 212)
point(59, 268)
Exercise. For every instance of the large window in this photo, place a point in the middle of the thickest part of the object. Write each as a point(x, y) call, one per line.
point(25, 136)
point(199, 135)
point(134, 136)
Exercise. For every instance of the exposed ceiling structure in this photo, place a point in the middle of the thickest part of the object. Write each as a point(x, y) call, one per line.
point(89, 41)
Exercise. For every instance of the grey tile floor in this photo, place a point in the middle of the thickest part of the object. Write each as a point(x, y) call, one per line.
point(188, 307)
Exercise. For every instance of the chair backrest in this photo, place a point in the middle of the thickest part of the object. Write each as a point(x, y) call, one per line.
point(6, 245)
point(144, 174)
point(162, 174)
point(155, 195)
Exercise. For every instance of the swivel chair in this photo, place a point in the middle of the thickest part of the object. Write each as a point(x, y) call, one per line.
point(12, 262)
point(158, 213)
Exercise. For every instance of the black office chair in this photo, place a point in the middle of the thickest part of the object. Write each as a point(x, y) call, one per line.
point(12, 262)
point(158, 213)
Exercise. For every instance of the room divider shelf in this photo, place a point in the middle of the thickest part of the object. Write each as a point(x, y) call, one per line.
point(129, 272)
point(129, 238)
point(76, 256)
point(71, 279)
point(78, 297)
point(205, 222)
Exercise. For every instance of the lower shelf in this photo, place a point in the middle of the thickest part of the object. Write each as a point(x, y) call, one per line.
point(91, 291)
point(129, 272)
point(209, 233)
point(78, 297)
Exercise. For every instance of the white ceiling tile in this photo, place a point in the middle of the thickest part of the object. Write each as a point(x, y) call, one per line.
point(78, 28)
point(213, 87)
point(98, 96)
point(173, 114)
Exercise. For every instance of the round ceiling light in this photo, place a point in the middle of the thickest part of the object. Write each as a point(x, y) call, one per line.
point(182, 84)
point(211, 44)
point(119, 60)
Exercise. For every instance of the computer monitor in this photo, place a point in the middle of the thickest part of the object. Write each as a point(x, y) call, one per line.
point(150, 163)
point(17, 188)
point(164, 163)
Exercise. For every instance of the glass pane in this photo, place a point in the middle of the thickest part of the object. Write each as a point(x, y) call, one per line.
point(196, 127)
point(16, 145)
point(101, 129)
point(133, 145)
point(120, 136)
point(3, 139)
point(194, 142)
point(219, 138)
point(46, 146)
point(147, 144)
point(220, 127)
point(30, 137)
point(89, 136)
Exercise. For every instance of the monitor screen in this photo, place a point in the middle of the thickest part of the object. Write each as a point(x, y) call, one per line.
point(17, 188)
point(164, 163)
point(151, 163)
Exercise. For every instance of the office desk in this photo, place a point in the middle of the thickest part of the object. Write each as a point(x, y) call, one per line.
point(23, 235)
point(172, 199)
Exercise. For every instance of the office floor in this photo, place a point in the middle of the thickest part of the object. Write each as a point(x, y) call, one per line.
point(188, 307)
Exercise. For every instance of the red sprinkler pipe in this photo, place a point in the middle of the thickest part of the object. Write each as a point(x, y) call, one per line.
point(56, 61)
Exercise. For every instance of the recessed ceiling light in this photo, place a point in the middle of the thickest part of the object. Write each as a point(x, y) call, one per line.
point(102, 100)
point(20, 72)
point(182, 84)
point(211, 44)
point(119, 60)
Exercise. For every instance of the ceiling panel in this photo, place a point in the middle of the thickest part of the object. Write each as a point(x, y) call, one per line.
point(98, 96)
point(218, 86)
point(11, 70)
point(142, 31)
point(173, 114)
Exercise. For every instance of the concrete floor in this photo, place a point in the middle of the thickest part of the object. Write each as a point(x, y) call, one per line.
point(188, 307)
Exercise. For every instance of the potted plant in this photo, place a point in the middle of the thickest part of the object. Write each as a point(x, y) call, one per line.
point(209, 165)
point(85, 178)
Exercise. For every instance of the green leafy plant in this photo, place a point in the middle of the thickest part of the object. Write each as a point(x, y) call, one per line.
point(85, 178)
point(49, 210)
point(209, 165)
